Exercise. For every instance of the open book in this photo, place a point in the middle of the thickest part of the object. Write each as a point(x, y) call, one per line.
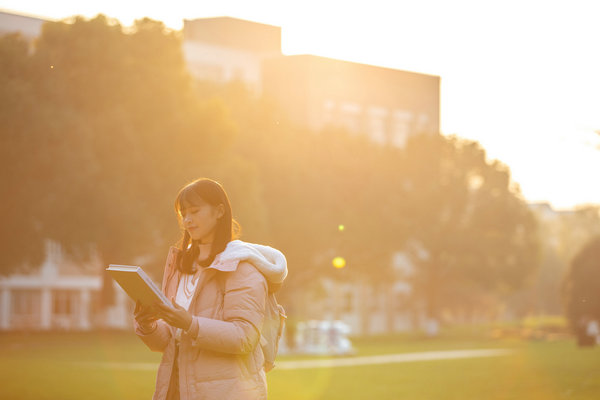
point(137, 284)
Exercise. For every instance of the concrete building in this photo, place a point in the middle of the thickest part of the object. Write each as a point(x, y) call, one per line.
point(28, 26)
point(387, 104)
point(226, 49)
point(60, 295)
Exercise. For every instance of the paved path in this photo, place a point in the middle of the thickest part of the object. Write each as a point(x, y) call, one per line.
point(391, 358)
point(343, 362)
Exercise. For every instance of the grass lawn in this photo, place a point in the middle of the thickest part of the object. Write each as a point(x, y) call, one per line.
point(62, 366)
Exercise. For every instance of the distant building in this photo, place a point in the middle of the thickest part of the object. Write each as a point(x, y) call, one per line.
point(387, 104)
point(226, 49)
point(28, 26)
point(60, 295)
point(366, 308)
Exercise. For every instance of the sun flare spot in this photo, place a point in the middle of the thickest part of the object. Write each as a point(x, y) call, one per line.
point(339, 262)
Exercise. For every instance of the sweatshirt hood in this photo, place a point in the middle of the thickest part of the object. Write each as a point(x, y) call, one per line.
point(269, 261)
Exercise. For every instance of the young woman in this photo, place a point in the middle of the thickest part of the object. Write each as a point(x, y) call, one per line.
point(210, 338)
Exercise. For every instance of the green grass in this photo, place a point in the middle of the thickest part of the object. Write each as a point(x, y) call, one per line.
point(75, 366)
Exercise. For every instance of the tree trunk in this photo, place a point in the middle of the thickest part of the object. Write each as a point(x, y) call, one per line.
point(390, 307)
point(432, 290)
point(365, 308)
point(432, 295)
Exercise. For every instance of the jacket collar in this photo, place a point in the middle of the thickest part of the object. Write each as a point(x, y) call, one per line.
point(224, 265)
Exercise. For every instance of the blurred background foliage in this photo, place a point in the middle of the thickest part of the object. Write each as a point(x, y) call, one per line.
point(581, 289)
point(101, 125)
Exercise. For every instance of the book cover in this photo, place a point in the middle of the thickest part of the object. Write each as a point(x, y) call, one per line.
point(137, 284)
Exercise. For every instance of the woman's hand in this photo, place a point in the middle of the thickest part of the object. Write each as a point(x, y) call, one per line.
point(177, 316)
point(145, 316)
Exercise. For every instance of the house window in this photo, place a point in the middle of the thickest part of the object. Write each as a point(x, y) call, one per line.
point(25, 309)
point(63, 302)
point(25, 302)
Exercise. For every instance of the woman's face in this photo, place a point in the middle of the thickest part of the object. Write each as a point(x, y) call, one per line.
point(200, 220)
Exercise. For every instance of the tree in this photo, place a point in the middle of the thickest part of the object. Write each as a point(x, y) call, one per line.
point(17, 106)
point(105, 127)
point(561, 234)
point(439, 194)
point(581, 290)
point(310, 184)
point(110, 126)
point(472, 233)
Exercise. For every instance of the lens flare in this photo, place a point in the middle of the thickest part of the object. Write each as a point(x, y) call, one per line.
point(339, 262)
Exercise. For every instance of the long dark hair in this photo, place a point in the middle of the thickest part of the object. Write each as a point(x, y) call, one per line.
point(227, 228)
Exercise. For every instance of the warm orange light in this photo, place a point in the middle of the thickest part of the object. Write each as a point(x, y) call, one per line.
point(339, 262)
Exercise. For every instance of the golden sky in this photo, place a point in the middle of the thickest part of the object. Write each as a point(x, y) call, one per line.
point(519, 76)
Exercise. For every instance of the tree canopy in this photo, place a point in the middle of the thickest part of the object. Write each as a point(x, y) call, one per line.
point(581, 286)
point(104, 124)
point(471, 232)
point(439, 195)
point(102, 128)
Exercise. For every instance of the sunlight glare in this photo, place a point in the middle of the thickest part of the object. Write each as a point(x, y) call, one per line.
point(339, 262)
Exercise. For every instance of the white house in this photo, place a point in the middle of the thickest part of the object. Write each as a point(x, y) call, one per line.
point(60, 295)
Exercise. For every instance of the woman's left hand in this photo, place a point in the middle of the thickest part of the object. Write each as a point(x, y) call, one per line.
point(177, 316)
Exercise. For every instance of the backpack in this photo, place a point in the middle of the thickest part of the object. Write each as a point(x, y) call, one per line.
point(272, 328)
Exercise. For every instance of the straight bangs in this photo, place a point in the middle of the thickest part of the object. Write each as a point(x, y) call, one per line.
point(187, 197)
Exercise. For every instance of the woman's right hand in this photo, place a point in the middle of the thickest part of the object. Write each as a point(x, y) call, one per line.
point(145, 316)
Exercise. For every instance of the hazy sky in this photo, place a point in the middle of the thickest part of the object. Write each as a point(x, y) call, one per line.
point(520, 76)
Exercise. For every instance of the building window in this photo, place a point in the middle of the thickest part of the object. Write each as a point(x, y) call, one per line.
point(329, 112)
point(25, 309)
point(208, 72)
point(63, 302)
point(401, 124)
point(350, 116)
point(25, 302)
point(377, 124)
point(65, 309)
point(238, 74)
point(423, 125)
point(348, 304)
